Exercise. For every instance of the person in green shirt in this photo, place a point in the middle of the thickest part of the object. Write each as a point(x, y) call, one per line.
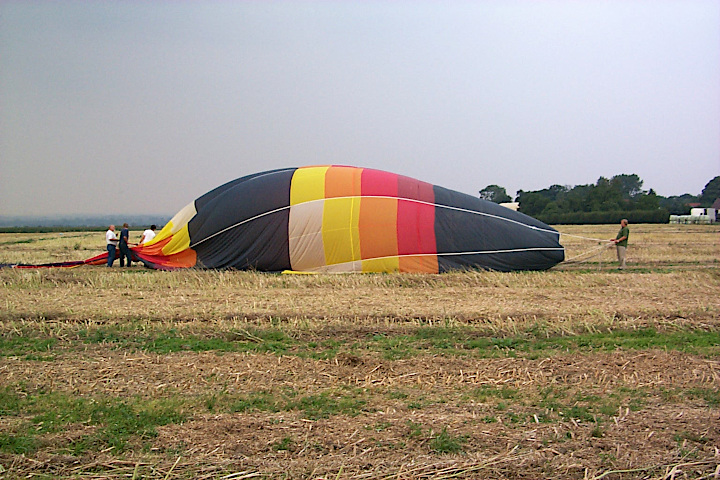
point(621, 242)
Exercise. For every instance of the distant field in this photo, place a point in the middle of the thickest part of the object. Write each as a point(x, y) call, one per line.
point(581, 372)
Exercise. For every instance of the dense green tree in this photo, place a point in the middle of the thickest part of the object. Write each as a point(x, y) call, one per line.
point(532, 203)
point(647, 201)
point(678, 205)
point(605, 196)
point(630, 186)
point(711, 192)
point(552, 208)
point(495, 193)
point(539, 200)
point(620, 193)
point(556, 192)
point(613, 196)
point(575, 200)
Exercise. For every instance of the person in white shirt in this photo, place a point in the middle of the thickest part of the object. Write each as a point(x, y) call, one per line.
point(148, 235)
point(111, 240)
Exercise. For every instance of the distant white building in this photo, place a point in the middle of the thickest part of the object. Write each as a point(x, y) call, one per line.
point(697, 215)
point(704, 212)
point(511, 205)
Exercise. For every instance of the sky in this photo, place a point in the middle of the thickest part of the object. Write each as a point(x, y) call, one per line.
point(140, 107)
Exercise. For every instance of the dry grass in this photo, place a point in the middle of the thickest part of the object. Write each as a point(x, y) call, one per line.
point(464, 375)
point(650, 245)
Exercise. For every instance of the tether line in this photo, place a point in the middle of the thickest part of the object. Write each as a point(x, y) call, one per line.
point(572, 259)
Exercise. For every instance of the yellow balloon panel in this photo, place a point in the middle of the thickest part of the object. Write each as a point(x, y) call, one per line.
point(308, 184)
point(341, 239)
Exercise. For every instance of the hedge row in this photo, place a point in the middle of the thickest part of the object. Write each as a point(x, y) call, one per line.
point(595, 218)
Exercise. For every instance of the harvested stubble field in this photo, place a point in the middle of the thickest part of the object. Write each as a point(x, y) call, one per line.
point(580, 372)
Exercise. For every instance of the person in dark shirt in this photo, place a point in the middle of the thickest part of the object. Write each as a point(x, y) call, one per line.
point(620, 241)
point(124, 246)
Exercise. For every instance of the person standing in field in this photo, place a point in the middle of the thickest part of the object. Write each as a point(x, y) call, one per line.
point(111, 240)
point(148, 235)
point(621, 241)
point(124, 246)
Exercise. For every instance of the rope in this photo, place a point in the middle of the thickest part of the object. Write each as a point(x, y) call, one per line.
point(584, 238)
point(593, 252)
point(572, 259)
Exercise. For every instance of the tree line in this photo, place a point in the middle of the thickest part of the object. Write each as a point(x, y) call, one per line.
point(603, 202)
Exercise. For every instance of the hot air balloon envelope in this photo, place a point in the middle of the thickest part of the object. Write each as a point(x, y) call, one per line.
point(348, 219)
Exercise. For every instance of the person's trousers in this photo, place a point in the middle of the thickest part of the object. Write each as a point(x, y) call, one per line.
point(125, 252)
point(111, 248)
point(621, 251)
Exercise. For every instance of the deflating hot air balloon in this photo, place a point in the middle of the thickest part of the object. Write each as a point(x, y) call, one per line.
point(348, 219)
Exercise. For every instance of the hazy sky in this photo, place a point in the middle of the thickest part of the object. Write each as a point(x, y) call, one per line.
point(140, 107)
